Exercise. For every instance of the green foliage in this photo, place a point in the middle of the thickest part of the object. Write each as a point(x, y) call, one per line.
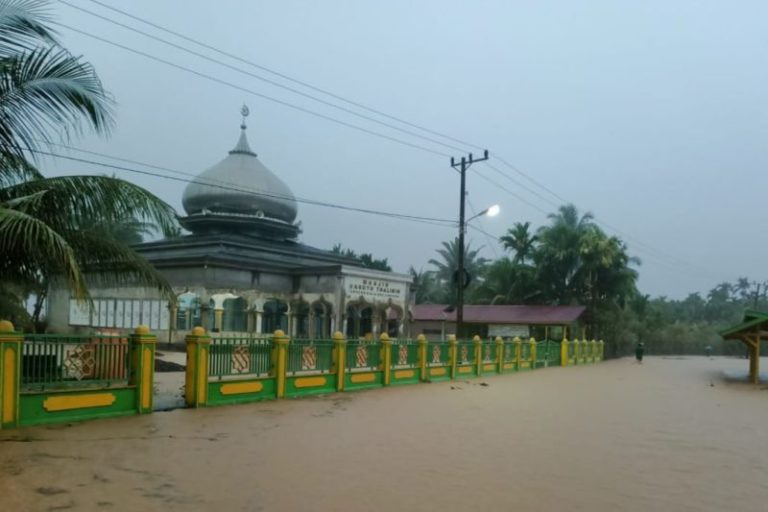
point(365, 260)
point(73, 229)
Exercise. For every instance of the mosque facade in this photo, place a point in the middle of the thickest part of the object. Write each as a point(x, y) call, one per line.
point(242, 270)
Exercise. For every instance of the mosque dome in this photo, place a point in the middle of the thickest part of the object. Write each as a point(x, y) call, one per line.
point(240, 186)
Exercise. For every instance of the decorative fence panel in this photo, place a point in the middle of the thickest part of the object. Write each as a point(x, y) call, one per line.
point(466, 360)
point(311, 367)
point(240, 369)
point(547, 354)
point(363, 365)
point(405, 364)
point(438, 361)
point(53, 378)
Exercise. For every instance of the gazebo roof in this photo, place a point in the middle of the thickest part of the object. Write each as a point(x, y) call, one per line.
point(752, 319)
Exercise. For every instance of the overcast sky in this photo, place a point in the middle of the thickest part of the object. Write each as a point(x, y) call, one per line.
point(651, 115)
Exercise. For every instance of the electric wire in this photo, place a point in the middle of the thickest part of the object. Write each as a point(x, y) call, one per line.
point(284, 76)
point(255, 93)
point(400, 216)
point(537, 183)
point(266, 80)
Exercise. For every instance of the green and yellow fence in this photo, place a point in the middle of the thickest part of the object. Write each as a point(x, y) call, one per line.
point(51, 379)
point(47, 378)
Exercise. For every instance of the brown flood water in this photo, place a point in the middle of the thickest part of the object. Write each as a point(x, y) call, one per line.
point(668, 435)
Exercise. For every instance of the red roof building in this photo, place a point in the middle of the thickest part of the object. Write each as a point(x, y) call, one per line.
point(436, 321)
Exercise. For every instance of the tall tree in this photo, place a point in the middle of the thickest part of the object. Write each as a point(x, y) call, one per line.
point(520, 241)
point(447, 266)
point(49, 227)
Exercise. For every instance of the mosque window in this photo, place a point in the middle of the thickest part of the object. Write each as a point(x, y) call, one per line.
point(275, 316)
point(234, 317)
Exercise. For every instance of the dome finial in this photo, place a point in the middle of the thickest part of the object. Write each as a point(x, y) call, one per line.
point(244, 111)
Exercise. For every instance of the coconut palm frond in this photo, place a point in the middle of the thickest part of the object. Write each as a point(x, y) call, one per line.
point(110, 263)
point(24, 25)
point(46, 91)
point(75, 201)
point(28, 244)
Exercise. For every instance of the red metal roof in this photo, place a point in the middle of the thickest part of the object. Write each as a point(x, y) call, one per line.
point(523, 315)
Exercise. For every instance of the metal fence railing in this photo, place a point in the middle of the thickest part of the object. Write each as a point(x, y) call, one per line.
point(310, 356)
point(438, 354)
point(232, 356)
point(52, 361)
point(466, 352)
point(405, 354)
point(363, 355)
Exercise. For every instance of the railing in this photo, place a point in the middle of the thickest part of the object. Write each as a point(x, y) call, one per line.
point(510, 353)
point(548, 352)
point(363, 355)
point(488, 351)
point(231, 356)
point(466, 352)
point(65, 362)
point(405, 354)
point(309, 356)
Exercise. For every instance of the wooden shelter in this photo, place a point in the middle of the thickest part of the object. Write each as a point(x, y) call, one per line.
point(750, 331)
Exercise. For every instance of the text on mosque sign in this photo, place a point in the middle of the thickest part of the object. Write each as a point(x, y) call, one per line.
point(374, 289)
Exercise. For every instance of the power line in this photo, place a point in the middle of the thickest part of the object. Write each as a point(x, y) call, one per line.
point(401, 216)
point(329, 118)
point(266, 80)
point(254, 93)
point(284, 76)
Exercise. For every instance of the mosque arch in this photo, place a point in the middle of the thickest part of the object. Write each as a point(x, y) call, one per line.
point(359, 319)
point(235, 315)
point(321, 314)
point(300, 313)
point(274, 316)
point(188, 311)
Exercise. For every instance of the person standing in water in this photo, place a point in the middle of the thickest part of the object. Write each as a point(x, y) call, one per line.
point(639, 349)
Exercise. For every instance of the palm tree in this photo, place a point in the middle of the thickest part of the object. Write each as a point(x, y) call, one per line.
point(520, 241)
point(51, 229)
point(447, 266)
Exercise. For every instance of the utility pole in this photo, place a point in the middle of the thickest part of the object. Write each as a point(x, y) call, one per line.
point(461, 281)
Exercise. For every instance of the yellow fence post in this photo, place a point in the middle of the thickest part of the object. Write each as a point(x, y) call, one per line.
point(564, 352)
point(593, 351)
point(602, 350)
point(386, 357)
point(143, 344)
point(518, 352)
point(499, 354)
point(10, 374)
point(281, 359)
point(423, 345)
point(532, 352)
point(477, 345)
point(340, 351)
point(453, 349)
point(196, 380)
point(576, 351)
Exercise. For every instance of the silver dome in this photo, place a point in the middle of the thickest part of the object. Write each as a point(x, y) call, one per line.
point(240, 184)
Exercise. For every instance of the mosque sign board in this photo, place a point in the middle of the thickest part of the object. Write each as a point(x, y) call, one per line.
point(508, 331)
point(374, 290)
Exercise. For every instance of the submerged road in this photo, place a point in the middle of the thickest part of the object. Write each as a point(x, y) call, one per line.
point(673, 434)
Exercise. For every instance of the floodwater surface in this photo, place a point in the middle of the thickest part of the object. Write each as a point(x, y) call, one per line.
point(671, 434)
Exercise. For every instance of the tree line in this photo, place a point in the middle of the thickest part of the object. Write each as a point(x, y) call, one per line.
point(571, 261)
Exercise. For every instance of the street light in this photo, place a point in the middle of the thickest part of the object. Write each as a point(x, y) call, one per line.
point(461, 280)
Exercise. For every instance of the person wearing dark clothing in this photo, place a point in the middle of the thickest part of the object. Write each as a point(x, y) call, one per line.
point(639, 349)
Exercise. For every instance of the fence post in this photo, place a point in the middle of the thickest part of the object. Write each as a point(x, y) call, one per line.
point(280, 347)
point(564, 352)
point(602, 350)
point(340, 348)
point(386, 357)
point(477, 345)
point(532, 352)
point(10, 374)
point(423, 346)
point(499, 354)
point(143, 367)
point(453, 350)
point(518, 352)
point(196, 386)
point(576, 351)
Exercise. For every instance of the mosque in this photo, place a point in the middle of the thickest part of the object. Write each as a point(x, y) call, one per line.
point(243, 270)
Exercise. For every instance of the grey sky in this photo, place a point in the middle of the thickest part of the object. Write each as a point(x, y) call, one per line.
point(651, 115)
